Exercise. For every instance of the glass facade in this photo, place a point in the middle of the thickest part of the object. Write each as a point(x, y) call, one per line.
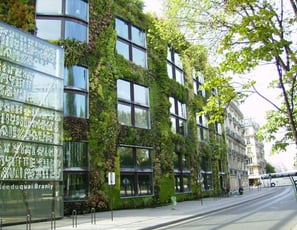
point(68, 19)
point(31, 127)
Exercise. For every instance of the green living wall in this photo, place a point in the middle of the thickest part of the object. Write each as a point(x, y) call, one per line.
point(105, 134)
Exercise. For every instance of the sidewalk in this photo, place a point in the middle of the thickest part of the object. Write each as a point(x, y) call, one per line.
point(148, 217)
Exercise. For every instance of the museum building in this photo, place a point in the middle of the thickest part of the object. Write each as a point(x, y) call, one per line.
point(130, 108)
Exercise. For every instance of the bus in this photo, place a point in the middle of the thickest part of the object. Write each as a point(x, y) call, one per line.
point(278, 179)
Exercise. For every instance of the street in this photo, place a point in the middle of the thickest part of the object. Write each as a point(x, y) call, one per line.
point(275, 211)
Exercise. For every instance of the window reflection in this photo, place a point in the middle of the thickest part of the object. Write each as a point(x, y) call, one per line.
point(123, 49)
point(49, 6)
point(75, 30)
point(75, 105)
point(76, 76)
point(75, 186)
point(133, 105)
point(48, 29)
point(138, 36)
point(77, 8)
point(139, 56)
point(136, 171)
point(75, 154)
point(124, 114)
point(131, 42)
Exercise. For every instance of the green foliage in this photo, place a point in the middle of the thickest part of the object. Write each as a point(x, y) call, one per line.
point(18, 13)
point(269, 168)
point(246, 33)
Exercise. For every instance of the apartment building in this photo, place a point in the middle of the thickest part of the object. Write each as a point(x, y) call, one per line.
point(255, 152)
point(237, 158)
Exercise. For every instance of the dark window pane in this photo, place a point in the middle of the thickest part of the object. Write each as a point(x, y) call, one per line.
point(75, 186)
point(143, 158)
point(145, 185)
point(126, 158)
point(75, 154)
point(127, 185)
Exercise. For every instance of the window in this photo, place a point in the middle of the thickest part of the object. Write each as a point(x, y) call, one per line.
point(136, 171)
point(76, 186)
point(75, 105)
point(181, 173)
point(206, 173)
point(131, 42)
point(133, 104)
point(76, 77)
point(62, 19)
point(174, 67)
point(202, 128)
point(77, 8)
point(75, 155)
point(76, 91)
point(198, 81)
point(178, 113)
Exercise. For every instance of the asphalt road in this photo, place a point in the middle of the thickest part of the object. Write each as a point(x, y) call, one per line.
point(277, 211)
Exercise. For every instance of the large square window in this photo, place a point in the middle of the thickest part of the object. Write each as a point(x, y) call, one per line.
point(133, 104)
point(131, 43)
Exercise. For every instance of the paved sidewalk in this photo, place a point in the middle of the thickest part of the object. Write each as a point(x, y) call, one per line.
point(146, 218)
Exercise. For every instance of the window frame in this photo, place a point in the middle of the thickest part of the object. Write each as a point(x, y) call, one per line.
point(130, 100)
point(132, 45)
point(132, 175)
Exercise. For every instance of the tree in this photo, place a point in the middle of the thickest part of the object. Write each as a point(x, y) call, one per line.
point(269, 168)
point(248, 33)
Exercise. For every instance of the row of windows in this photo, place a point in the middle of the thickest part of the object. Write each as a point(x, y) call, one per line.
point(77, 8)
point(62, 19)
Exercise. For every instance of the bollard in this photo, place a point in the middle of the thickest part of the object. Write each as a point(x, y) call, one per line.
point(28, 222)
point(93, 216)
point(173, 201)
point(74, 219)
point(53, 221)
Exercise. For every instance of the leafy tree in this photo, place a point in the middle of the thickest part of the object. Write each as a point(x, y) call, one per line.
point(269, 168)
point(246, 34)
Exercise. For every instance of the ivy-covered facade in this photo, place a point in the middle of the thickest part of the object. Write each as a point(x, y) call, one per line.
point(131, 104)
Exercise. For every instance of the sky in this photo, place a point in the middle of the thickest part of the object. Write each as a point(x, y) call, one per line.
point(254, 107)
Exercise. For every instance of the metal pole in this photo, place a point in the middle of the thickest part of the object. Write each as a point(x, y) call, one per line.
point(93, 216)
point(0, 223)
point(28, 222)
point(74, 219)
point(53, 221)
